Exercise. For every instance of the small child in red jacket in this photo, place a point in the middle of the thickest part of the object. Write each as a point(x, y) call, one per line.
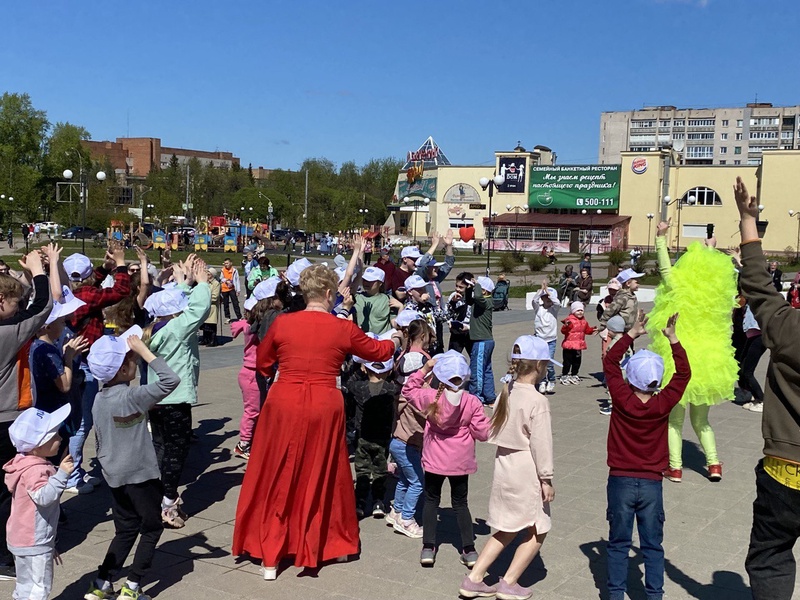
point(575, 330)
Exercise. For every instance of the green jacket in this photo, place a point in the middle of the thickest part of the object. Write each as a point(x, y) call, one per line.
point(480, 323)
point(176, 342)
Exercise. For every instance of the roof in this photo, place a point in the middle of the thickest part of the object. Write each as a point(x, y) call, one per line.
point(556, 220)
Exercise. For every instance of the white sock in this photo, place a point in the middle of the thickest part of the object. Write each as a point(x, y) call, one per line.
point(131, 585)
point(102, 584)
point(165, 502)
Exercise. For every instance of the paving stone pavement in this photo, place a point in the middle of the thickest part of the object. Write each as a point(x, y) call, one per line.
point(706, 530)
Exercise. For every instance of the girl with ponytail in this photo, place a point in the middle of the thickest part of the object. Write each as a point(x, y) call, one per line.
point(519, 502)
point(454, 422)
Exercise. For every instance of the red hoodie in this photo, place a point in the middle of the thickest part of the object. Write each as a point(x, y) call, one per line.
point(575, 331)
point(637, 434)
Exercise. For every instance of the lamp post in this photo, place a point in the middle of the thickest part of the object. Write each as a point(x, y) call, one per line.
point(591, 226)
point(516, 210)
point(416, 202)
point(11, 202)
point(490, 184)
point(796, 215)
point(364, 212)
point(150, 208)
point(270, 212)
point(101, 176)
point(649, 224)
point(667, 202)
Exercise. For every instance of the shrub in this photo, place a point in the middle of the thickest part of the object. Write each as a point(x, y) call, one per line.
point(537, 262)
point(508, 262)
point(617, 257)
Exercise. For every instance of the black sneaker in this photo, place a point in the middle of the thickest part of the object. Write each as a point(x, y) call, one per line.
point(379, 510)
point(8, 573)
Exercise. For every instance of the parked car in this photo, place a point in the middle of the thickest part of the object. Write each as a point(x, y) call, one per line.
point(47, 226)
point(78, 232)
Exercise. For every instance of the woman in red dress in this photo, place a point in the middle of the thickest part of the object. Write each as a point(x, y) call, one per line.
point(297, 497)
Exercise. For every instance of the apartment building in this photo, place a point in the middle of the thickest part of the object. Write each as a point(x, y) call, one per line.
point(701, 136)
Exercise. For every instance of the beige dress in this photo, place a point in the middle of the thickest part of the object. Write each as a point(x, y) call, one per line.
point(524, 457)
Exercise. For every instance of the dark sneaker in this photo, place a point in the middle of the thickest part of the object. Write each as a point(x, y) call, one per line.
point(511, 592)
point(470, 589)
point(242, 450)
point(427, 557)
point(605, 409)
point(379, 510)
point(468, 559)
point(8, 572)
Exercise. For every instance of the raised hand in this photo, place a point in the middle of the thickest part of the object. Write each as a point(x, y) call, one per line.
point(448, 238)
point(32, 262)
point(435, 240)
point(428, 366)
point(52, 252)
point(747, 204)
point(118, 254)
point(76, 345)
point(639, 326)
point(669, 330)
point(141, 255)
point(736, 254)
point(663, 227)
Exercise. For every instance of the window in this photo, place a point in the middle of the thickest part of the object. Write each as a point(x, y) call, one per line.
point(763, 121)
point(753, 149)
point(764, 135)
point(739, 122)
point(678, 136)
point(723, 149)
point(642, 124)
point(753, 161)
point(679, 123)
point(700, 152)
point(723, 136)
point(699, 136)
point(704, 196)
point(737, 150)
point(788, 121)
point(723, 162)
point(664, 123)
point(641, 148)
point(737, 162)
point(738, 136)
point(787, 147)
point(787, 135)
point(701, 122)
point(642, 139)
point(724, 122)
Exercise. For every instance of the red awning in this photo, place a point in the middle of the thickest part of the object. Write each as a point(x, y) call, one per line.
point(371, 235)
point(556, 220)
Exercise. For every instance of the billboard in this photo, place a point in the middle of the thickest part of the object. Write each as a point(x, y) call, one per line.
point(513, 169)
point(462, 193)
point(574, 186)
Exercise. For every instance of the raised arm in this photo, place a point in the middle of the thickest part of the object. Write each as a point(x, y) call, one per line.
point(144, 278)
point(414, 391)
point(662, 252)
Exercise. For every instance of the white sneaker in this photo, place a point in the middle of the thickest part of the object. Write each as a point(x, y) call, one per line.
point(409, 528)
point(551, 387)
point(757, 407)
point(565, 380)
point(392, 517)
point(86, 488)
point(747, 405)
point(575, 380)
point(543, 387)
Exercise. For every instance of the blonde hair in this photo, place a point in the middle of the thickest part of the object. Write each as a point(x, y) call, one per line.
point(432, 412)
point(518, 366)
point(316, 280)
point(10, 287)
point(147, 332)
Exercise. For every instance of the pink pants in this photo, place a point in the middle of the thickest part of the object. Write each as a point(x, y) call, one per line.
point(251, 398)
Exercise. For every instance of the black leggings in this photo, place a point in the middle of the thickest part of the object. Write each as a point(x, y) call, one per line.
point(459, 491)
point(172, 434)
point(136, 509)
point(572, 362)
point(753, 351)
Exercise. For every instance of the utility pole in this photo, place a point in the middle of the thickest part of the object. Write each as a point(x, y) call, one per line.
point(305, 208)
point(186, 211)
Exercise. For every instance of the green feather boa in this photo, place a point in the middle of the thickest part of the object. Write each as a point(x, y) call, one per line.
point(702, 288)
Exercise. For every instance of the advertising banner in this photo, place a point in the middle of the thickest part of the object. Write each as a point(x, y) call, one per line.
point(462, 193)
point(574, 186)
point(513, 169)
point(423, 187)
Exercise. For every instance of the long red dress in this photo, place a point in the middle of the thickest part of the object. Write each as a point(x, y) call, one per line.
point(297, 497)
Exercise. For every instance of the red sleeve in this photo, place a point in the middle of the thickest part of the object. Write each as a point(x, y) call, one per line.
point(365, 347)
point(97, 298)
point(673, 391)
point(267, 351)
point(589, 330)
point(612, 370)
point(567, 325)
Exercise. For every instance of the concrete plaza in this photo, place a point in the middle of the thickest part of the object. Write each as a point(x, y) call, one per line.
point(706, 530)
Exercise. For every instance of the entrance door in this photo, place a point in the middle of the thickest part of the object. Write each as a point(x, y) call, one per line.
point(574, 246)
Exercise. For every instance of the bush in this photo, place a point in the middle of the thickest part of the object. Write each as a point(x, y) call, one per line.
point(617, 257)
point(537, 262)
point(508, 262)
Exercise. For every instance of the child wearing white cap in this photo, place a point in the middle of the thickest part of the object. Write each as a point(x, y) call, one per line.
point(638, 454)
point(372, 306)
point(575, 329)
point(36, 487)
point(519, 502)
point(375, 399)
point(479, 298)
point(455, 421)
point(127, 456)
point(625, 303)
point(545, 326)
point(179, 312)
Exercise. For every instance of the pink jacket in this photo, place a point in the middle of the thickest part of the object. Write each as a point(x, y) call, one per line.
point(575, 331)
point(250, 342)
point(448, 447)
point(36, 487)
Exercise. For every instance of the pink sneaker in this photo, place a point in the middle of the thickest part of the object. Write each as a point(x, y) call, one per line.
point(409, 528)
point(511, 592)
point(392, 517)
point(470, 589)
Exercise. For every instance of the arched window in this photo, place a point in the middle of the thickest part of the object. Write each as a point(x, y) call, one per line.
point(704, 196)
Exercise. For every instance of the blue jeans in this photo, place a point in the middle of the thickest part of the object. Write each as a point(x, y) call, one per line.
point(642, 498)
point(481, 381)
point(551, 370)
point(78, 439)
point(410, 475)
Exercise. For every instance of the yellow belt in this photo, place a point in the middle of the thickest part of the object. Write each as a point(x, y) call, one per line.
point(783, 471)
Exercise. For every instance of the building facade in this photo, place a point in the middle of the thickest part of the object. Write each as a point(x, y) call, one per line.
point(701, 136)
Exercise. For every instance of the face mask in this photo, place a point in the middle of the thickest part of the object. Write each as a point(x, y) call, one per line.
point(453, 397)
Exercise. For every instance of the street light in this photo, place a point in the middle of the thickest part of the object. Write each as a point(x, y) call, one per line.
point(490, 184)
point(591, 226)
point(149, 207)
point(416, 202)
point(795, 214)
point(516, 210)
point(270, 211)
point(649, 223)
point(84, 187)
point(667, 202)
point(364, 212)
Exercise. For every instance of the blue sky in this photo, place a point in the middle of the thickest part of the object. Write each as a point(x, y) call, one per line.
point(277, 82)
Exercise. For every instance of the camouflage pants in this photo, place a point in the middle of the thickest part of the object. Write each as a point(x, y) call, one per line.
point(371, 471)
